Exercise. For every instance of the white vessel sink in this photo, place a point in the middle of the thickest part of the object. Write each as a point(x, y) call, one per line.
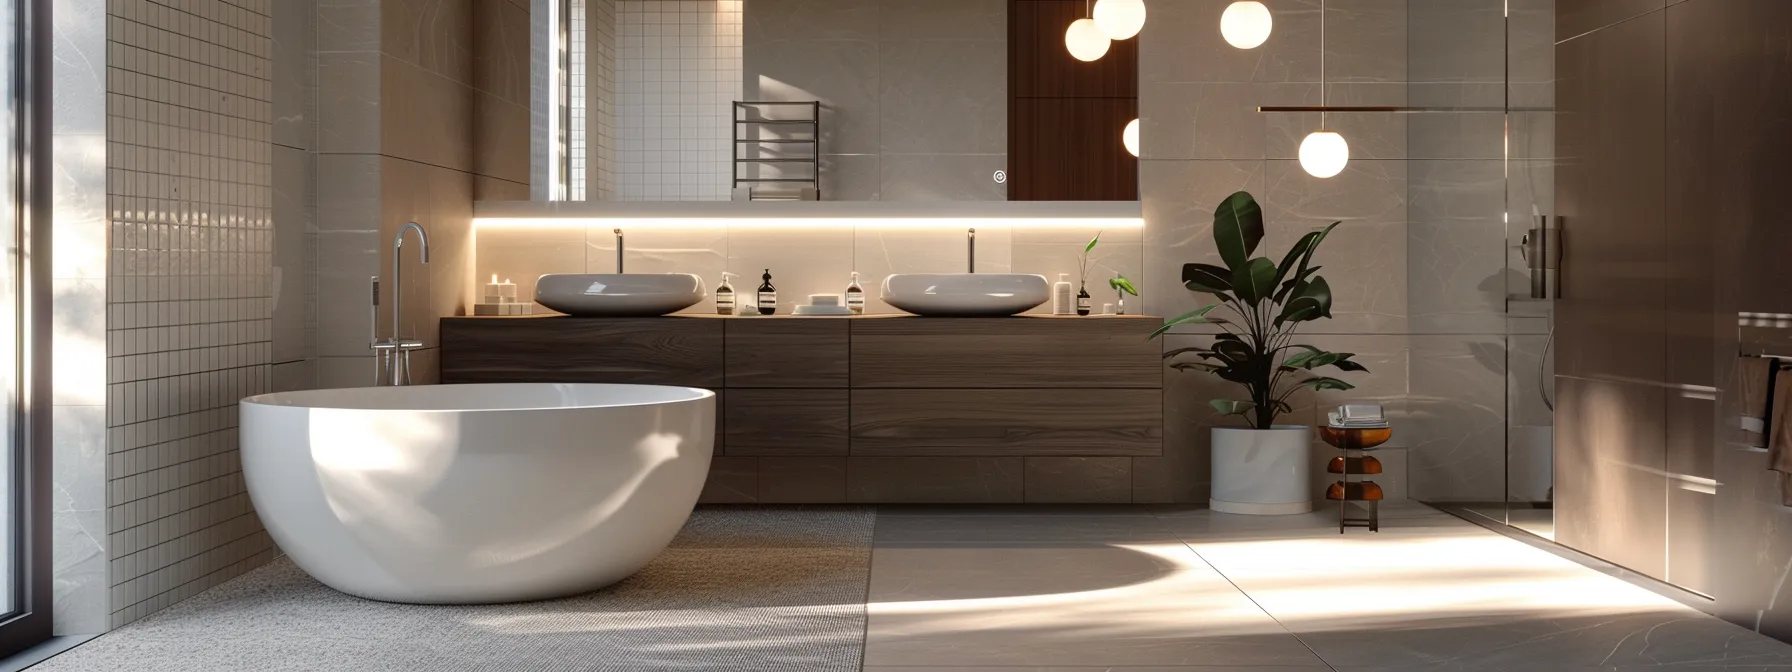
point(619, 295)
point(965, 294)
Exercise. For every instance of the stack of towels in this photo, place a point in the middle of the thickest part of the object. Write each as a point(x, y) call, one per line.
point(1765, 427)
point(1358, 416)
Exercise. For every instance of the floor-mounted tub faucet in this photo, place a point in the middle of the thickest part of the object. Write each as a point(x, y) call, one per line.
point(619, 251)
point(395, 353)
point(970, 247)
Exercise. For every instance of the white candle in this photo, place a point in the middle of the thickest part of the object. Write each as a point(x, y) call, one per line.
point(500, 292)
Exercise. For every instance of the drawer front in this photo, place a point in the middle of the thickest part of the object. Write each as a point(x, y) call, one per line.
point(647, 351)
point(789, 352)
point(1007, 422)
point(1089, 352)
point(786, 422)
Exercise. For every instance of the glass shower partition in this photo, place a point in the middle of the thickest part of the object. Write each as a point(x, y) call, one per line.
point(1479, 133)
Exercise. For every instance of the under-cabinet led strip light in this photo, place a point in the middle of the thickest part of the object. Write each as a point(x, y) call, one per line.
point(799, 223)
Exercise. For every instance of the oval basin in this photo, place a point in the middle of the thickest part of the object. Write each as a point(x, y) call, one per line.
point(619, 295)
point(965, 294)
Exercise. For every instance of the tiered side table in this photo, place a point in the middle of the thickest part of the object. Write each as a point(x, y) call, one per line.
point(1344, 490)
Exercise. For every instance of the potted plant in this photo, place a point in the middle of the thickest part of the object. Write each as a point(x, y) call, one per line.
point(1121, 287)
point(1261, 468)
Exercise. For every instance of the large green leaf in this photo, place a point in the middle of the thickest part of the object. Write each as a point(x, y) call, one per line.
point(1231, 406)
point(1295, 281)
point(1237, 228)
point(1255, 281)
point(1326, 383)
point(1195, 366)
point(1345, 364)
point(1184, 351)
point(1306, 256)
point(1295, 254)
point(1206, 278)
point(1318, 290)
point(1300, 309)
point(1092, 242)
point(1121, 284)
point(1196, 316)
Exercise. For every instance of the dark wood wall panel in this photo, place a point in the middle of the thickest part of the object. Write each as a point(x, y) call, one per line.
point(1611, 486)
point(1729, 129)
point(1069, 149)
point(1045, 69)
point(1065, 116)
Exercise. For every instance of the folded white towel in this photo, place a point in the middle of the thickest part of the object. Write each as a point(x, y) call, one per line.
point(1358, 416)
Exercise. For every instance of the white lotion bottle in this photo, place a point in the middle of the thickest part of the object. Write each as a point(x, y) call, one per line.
point(1063, 299)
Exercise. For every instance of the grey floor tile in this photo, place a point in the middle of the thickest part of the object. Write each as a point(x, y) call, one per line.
point(1022, 529)
point(1070, 605)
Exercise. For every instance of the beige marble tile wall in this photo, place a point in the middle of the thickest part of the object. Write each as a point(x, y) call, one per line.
point(1203, 139)
point(190, 296)
point(295, 195)
point(78, 503)
point(806, 261)
point(422, 107)
point(678, 73)
point(914, 92)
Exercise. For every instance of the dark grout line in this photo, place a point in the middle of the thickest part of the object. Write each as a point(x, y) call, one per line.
point(1241, 591)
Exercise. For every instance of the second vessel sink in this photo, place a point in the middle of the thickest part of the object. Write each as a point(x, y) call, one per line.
point(619, 295)
point(965, 294)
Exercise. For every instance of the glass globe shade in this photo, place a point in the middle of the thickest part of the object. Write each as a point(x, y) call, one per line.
point(1246, 24)
point(1120, 19)
point(1324, 153)
point(1085, 41)
point(1130, 137)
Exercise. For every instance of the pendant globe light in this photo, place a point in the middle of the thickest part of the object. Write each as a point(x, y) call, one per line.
point(1130, 137)
point(1120, 19)
point(1085, 40)
point(1323, 153)
point(1246, 24)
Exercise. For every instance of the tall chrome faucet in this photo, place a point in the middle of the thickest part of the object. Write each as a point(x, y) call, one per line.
point(619, 252)
point(395, 352)
point(970, 247)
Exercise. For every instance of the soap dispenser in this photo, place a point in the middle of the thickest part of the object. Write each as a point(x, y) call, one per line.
point(1061, 297)
point(725, 295)
point(768, 295)
point(855, 296)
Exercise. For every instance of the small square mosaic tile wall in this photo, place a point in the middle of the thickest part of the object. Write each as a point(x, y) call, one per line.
point(678, 73)
point(189, 191)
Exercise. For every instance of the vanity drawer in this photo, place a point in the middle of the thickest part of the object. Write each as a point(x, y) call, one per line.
point(644, 350)
point(1062, 352)
point(989, 423)
point(787, 352)
point(785, 422)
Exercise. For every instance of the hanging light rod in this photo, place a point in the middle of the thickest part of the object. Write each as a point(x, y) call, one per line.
point(1395, 109)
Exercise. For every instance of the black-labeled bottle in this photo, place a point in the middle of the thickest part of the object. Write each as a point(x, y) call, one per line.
point(768, 295)
point(1082, 300)
point(855, 296)
point(725, 295)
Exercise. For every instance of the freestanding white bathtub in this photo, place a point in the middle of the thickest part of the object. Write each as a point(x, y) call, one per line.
point(461, 494)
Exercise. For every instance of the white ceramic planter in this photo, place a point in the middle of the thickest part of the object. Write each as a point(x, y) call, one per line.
point(1261, 471)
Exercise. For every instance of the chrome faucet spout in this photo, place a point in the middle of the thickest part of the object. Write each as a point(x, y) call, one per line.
point(398, 341)
point(619, 251)
point(970, 245)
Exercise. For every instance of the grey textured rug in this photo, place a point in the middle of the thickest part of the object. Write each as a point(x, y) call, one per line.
point(740, 589)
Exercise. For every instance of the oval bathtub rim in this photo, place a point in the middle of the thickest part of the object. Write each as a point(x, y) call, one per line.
point(257, 400)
